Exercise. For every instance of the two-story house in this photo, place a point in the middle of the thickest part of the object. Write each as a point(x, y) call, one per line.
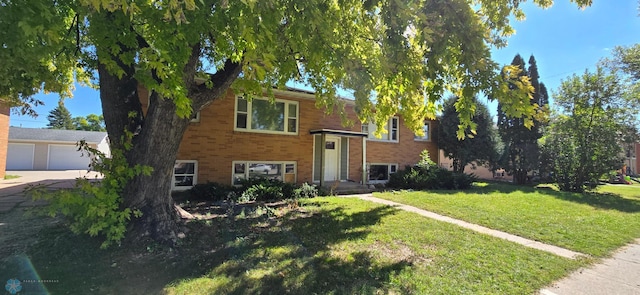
point(291, 140)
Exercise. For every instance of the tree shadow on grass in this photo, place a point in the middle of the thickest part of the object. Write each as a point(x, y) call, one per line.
point(490, 188)
point(302, 274)
point(296, 257)
point(254, 252)
point(607, 201)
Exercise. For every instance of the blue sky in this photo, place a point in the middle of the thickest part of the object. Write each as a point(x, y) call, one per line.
point(564, 39)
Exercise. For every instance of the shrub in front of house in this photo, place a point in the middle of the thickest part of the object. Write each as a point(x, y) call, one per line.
point(427, 175)
point(255, 189)
point(306, 191)
point(211, 191)
point(264, 189)
point(423, 178)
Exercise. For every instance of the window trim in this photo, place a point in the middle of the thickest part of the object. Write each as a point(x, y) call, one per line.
point(389, 165)
point(249, 116)
point(364, 126)
point(195, 118)
point(195, 176)
point(422, 138)
point(389, 133)
point(247, 163)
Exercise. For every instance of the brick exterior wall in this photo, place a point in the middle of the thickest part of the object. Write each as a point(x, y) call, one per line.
point(4, 139)
point(215, 144)
point(404, 152)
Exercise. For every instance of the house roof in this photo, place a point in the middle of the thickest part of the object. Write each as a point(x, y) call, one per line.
point(313, 93)
point(55, 135)
point(306, 91)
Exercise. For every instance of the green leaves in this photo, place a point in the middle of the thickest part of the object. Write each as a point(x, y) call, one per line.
point(585, 138)
point(401, 56)
point(468, 144)
point(96, 208)
point(32, 35)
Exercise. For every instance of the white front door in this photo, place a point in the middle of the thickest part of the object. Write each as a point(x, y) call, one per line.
point(331, 158)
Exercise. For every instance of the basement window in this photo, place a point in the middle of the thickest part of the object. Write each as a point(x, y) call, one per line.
point(184, 174)
point(379, 173)
point(282, 171)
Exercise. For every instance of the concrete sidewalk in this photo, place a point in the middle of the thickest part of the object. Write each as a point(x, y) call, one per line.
point(12, 190)
point(619, 274)
point(478, 228)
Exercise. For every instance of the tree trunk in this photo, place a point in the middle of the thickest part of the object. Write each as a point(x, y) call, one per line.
point(156, 146)
point(156, 139)
point(520, 176)
point(458, 166)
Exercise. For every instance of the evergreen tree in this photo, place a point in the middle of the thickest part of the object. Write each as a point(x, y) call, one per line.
point(544, 95)
point(540, 94)
point(477, 146)
point(534, 77)
point(521, 151)
point(60, 117)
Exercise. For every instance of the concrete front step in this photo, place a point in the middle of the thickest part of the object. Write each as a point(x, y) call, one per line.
point(346, 188)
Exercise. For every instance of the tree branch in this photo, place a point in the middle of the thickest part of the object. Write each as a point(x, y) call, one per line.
point(201, 95)
point(189, 69)
point(75, 23)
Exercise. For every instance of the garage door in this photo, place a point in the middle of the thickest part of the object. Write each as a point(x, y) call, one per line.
point(20, 156)
point(67, 157)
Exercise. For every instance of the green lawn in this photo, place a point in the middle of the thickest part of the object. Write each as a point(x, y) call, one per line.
point(324, 246)
point(593, 223)
point(631, 192)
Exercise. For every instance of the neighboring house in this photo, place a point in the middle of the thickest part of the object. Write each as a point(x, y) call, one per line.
point(291, 140)
point(51, 149)
point(631, 161)
point(480, 171)
point(637, 152)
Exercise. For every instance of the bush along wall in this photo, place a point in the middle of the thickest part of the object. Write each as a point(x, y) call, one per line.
point(255, 189)
point(430, 177)
point(424, 178)
point(427, 175)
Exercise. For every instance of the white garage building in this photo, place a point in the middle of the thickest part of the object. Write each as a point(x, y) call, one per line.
point(51, 149)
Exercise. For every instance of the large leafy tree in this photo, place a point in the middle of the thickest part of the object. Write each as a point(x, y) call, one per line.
point(521, 152)
point(584, 138)
point(627, 59)
point(189, 53)
point(60, 117)
point(626, 62)
point(91, 122)
point(477, 146)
